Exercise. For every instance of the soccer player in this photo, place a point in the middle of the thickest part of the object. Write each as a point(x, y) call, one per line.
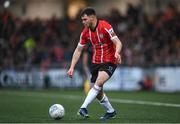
point(106, 55)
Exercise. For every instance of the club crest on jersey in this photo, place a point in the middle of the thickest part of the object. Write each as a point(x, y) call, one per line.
point(101, 35)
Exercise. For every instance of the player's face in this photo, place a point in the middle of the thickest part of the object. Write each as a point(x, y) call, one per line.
point(87, 21)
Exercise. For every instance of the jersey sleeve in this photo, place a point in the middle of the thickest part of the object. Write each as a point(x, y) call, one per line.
point(109, 29)
point(83, 39)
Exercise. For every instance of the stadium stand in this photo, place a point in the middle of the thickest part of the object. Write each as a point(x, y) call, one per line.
point(149, 40)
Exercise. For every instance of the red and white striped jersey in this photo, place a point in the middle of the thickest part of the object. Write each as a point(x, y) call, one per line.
point(101, 39)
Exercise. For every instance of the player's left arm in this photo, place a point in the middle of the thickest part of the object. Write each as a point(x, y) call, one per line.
point(112, 35)
point(118, 45)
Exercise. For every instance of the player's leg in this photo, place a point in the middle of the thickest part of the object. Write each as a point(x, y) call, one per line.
point(94, 91)
point(99, 77)
point(103, 99)
point(94, 73)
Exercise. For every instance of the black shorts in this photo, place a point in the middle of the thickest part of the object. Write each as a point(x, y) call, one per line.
point(109, 68)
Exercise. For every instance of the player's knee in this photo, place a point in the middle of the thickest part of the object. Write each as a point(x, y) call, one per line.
point(99, 82)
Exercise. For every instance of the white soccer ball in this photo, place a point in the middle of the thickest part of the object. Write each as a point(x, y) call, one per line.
point(56, 111)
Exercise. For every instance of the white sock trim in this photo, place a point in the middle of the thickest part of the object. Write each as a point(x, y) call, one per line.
point(96, 87)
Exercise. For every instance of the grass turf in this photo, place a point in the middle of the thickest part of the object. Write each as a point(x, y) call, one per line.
point(29, 106)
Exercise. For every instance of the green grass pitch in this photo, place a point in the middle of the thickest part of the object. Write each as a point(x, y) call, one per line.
point(31, 106)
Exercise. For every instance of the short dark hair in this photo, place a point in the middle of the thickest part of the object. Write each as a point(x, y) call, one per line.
point(88, 11)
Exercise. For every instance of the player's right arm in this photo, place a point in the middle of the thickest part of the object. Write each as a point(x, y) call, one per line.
point(75, 58)
point(77, 53)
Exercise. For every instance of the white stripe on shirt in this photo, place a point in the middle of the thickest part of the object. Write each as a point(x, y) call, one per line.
point(93, 60)
point(101, 45)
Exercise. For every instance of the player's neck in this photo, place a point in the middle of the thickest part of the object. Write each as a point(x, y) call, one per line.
point(94, 25)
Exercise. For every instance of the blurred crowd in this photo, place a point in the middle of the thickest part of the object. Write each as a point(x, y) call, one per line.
point(148, 40)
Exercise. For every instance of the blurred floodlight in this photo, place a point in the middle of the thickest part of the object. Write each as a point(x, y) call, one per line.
point(75, 7)
point(6, 4)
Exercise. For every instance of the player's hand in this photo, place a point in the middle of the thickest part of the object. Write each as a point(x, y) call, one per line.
point(118, 58)
point(70, 72)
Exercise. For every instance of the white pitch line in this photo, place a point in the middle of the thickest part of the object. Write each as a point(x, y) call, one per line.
point(145, 103)
point(126, 101)
point(122, 101)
